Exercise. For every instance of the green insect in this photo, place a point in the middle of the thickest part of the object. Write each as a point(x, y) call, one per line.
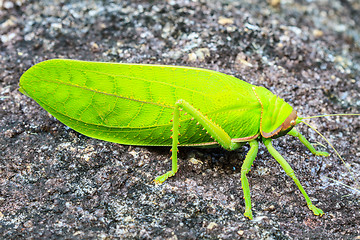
point(140, 104)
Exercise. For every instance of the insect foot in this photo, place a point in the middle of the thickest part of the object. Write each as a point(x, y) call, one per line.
point(162, 178)
point(248, 213)
point(324, 154)
point(316, 211)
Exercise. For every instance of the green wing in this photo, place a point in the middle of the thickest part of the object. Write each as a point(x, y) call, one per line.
point(133, 103)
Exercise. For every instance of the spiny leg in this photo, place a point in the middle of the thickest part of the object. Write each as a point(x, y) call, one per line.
point(245, 168)
point(214, 130)
point(302, 139)
point(174, 148)
point(289, 171)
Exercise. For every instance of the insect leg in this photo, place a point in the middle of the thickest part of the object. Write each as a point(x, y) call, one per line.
point(245, 168)
point(289, 171)
point(214, 130)
point(174, 148)
point(302, 139)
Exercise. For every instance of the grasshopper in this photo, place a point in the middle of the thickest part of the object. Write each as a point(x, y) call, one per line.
point(139, 104)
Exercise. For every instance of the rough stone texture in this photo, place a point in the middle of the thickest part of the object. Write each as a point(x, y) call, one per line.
point(56, 183)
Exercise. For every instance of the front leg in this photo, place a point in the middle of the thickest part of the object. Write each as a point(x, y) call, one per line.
point(290, 172)
point(214, 130)
point(302, 139)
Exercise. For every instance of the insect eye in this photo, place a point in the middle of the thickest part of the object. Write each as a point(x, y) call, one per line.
point(292, 122)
